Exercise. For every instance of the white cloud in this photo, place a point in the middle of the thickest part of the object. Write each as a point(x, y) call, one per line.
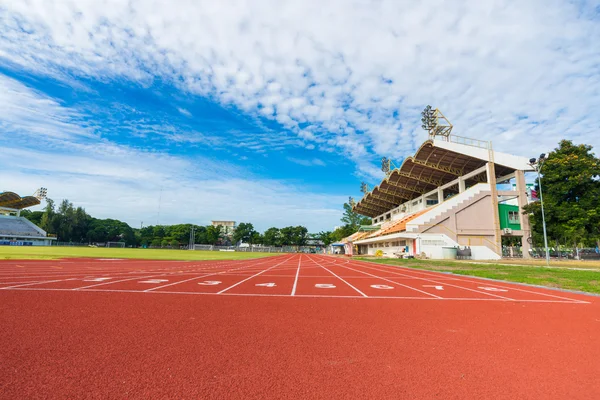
point(184, 112)
point(315, 162)
point(122, 183)
point(347, 77)
point(29, 113)
point(359, 73)
point(117, 181)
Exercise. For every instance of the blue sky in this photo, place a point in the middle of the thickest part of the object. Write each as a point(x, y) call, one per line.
point(272, 112)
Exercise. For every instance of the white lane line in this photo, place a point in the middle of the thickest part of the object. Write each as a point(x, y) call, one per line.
point(36, 283)
point(485, 282)
point(204, 276)
point(394, 282)
point(443, 284)
point(296, 280)
point(240, 282)
point(341, 279)
point(117, 281)
point(302, 295)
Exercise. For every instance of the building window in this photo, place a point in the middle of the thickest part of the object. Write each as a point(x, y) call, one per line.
point(513, 217)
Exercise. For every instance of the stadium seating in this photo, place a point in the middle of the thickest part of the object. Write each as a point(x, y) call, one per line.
point(19, 226)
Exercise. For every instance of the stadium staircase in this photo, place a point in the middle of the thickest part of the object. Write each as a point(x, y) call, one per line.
point(439, 213)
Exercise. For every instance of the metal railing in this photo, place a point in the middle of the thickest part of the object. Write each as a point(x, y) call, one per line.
point(482, 144)
point(561, 253)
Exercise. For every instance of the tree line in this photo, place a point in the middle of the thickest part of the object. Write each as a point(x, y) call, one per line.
point(73, 224)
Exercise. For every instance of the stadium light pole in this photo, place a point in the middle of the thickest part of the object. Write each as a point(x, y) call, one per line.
point(537, 165)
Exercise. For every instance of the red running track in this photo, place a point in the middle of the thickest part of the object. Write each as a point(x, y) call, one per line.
point(287, 327)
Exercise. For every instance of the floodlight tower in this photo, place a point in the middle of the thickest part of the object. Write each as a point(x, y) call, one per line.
point(364, 188)
point(435, 123)
point(351, 201)
point(40, 194)
point(537, 165)
point(387, 166)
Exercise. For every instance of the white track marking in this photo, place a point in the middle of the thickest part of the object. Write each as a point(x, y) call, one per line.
point(36, 283)
point(205, 275)
point(117, 281)
point(240, 282)
point(268, 284)
point(341, 279)
point(437, 287)
point(297, 274)
point(325, 285)
point(96, 279)
point(385, 287)
point(412, 270)
point(154, 281)
point(210, 283)
point(397, 283)
point(303, 295)
point(440, 283)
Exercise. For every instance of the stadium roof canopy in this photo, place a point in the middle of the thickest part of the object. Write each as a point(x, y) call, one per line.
point(14, 201)
point(436, 163)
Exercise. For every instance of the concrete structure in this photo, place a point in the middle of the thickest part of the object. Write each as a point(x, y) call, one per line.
point(450, 194)
point(227, 226)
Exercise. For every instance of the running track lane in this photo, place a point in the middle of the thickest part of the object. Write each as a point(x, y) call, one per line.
point(82, 344)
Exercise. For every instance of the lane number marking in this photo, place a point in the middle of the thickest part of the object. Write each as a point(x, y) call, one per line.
point(325, 286)
point(437, 287)
point(492, 289)
point(154, 281)
point(387, 287)
point(209, 283)
point(270, 284)
point(96, 279)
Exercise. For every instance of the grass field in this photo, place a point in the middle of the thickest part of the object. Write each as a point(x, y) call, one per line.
point(55, 252)
point(567, 277)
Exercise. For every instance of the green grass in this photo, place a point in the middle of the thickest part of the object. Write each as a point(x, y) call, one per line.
point(564, 278)
point(55, 252)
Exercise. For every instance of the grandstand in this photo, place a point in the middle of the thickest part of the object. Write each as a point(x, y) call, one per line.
point(447, 200)
point(16, 230)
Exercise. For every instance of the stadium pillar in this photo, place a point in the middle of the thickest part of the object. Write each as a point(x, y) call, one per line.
point(440, 195)
point(491, 178)
point(461, 184)
point(523, 218)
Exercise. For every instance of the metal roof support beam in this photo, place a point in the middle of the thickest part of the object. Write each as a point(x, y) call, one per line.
point(398, 196)
point(434, 182)
point(382, 200)
point(406, 187)
point(370, 207)
point(437, 167)
point(371, 199)
point(389, 200)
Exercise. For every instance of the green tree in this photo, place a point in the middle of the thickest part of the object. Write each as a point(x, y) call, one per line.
point(300, 235)
point(353, 219)
point(272, 237)
point(256, 238)
point(243, 232)
point(33, 216)
point(48, 221)
point(213, 234)
point(287, 235)
point(571, 191)
point(342, 232)
point(325, 237)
